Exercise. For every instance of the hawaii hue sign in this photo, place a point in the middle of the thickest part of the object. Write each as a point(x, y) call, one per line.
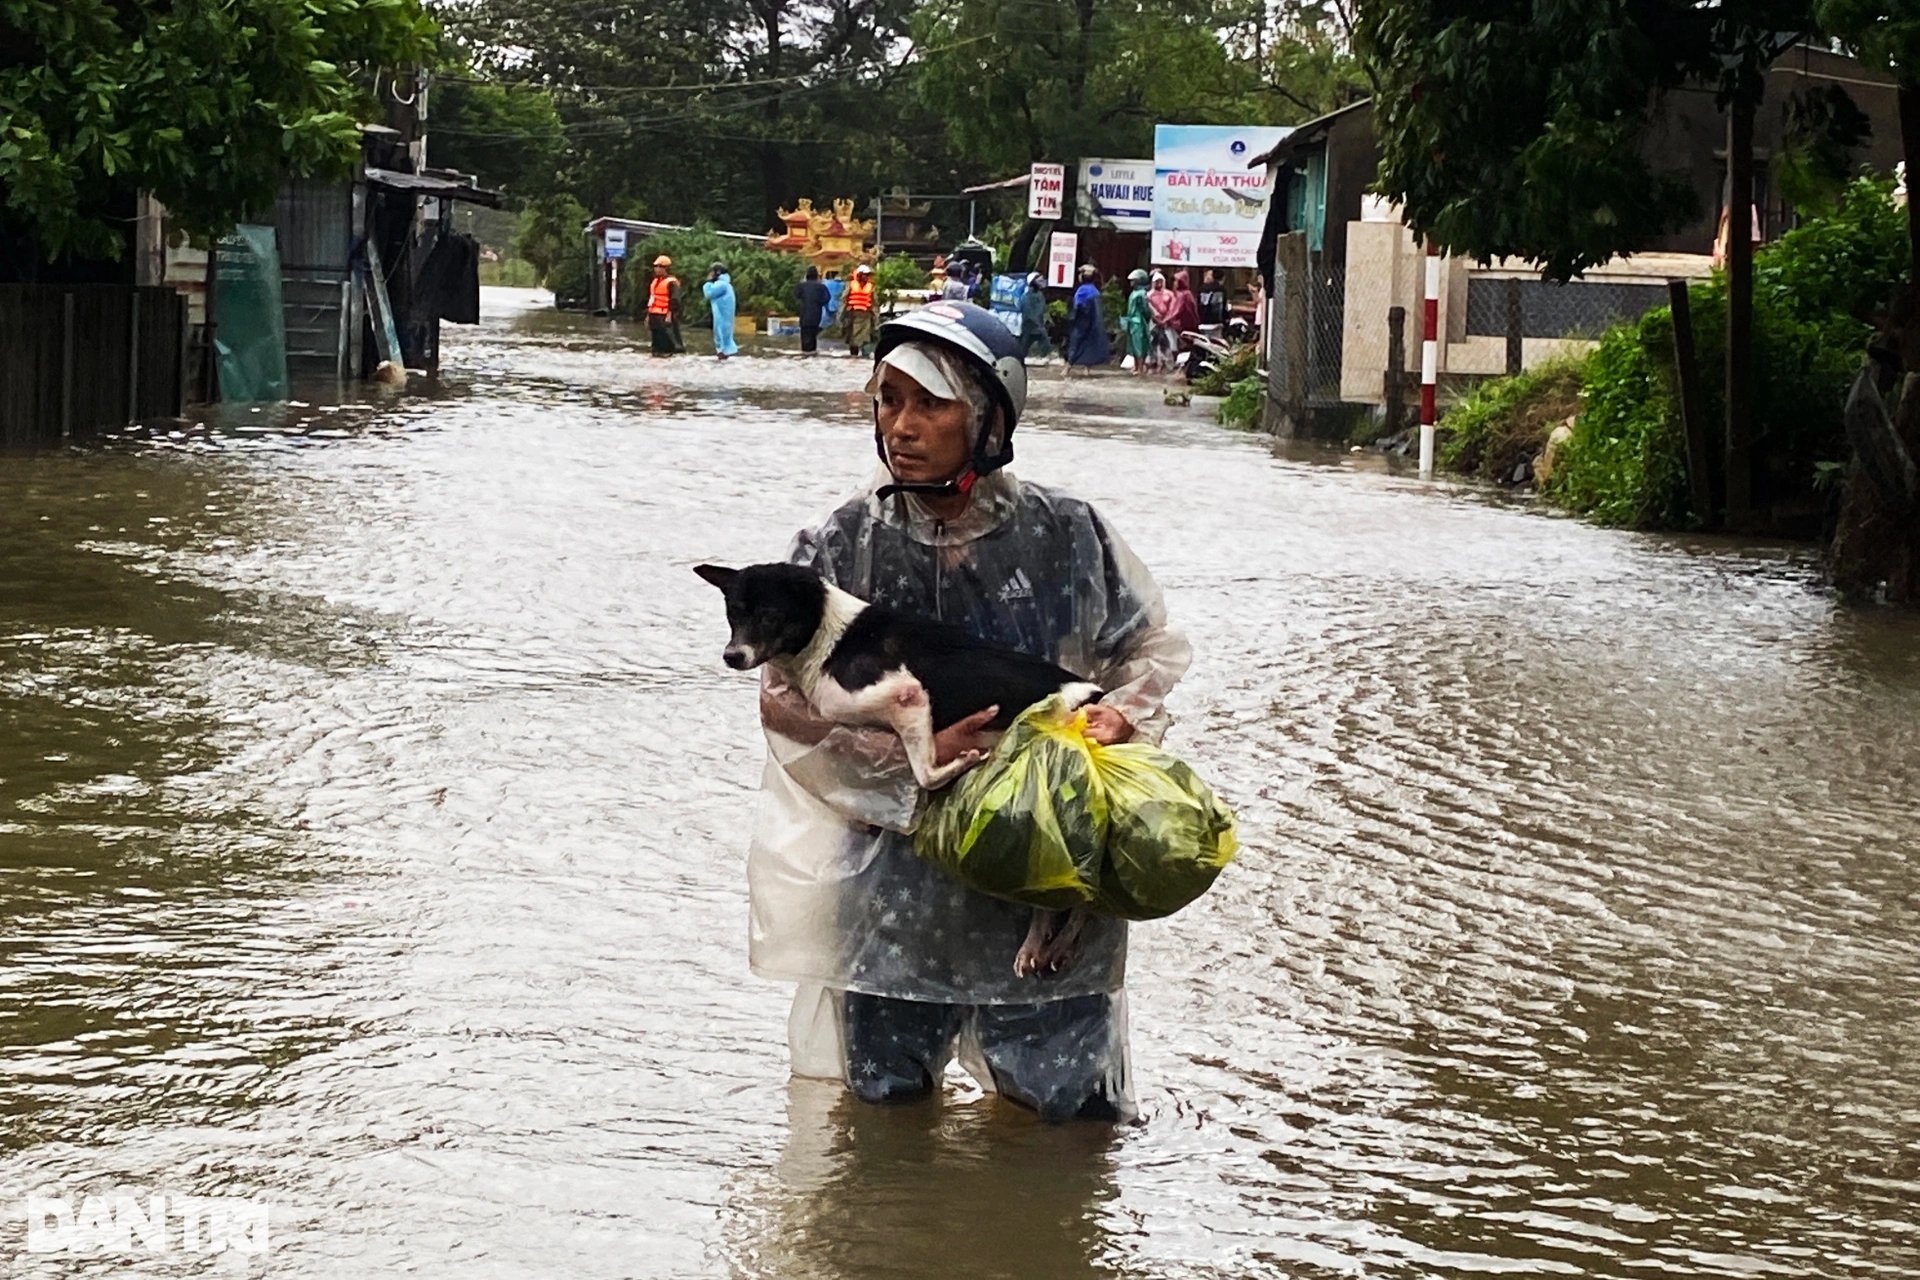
point(1208, 207)
point(1116, 194)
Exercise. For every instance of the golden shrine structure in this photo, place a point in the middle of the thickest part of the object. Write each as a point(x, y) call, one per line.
point(827, 240)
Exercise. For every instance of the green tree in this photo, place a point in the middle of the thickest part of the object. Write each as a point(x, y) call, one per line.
point(1876, 544)
point(1517, 128)
point(1302, 53)
point(712, 109)
point(551, 233)
point(508, 136)
point(1024, 80)
point(209, 104)
point(1509, 128)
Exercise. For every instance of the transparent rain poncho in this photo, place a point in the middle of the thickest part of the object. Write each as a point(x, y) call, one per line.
point(840, 900)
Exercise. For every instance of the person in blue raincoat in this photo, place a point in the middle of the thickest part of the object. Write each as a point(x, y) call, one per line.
point(836, 290)
point(1087, 344)
point(719, 291)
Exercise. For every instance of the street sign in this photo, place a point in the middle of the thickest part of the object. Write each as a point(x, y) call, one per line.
point(1061, 253)
point(616, 242)
point(1046, 191)
point(1115, 193)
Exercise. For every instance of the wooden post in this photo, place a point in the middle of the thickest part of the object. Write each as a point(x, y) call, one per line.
point(1292, 298)
point(1516, 329)
point(1739, 314)
point(209, 358)
point(1699, 479)
point(181, 315)
point(1396, 375)
point(133, 355)
point(66, 367)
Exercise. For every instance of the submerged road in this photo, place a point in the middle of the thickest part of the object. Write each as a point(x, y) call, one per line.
point(373, 807)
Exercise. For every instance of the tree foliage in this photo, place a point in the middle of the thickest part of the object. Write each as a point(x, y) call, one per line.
point(1026, 80)
point(1884, 33)
point(509, 135)
point(209, 104)
point(1516, 127)
point(729, 111)
point(709, 108)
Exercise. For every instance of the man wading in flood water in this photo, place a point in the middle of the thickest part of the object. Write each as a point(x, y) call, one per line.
point(663, 308)
point(900, 967)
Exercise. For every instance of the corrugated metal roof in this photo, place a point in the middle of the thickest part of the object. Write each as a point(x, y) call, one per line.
point(427, 185)
point(1304, 133)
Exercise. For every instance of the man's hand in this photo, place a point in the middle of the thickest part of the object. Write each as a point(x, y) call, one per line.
point(963, 736)
point(1106, 726)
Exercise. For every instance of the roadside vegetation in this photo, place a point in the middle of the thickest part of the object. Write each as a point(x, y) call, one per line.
point(1817, 290)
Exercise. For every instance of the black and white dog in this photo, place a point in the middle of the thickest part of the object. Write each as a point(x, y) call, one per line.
point(864, 664)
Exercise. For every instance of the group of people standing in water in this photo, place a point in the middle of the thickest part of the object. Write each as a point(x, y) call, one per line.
point(1154, 323)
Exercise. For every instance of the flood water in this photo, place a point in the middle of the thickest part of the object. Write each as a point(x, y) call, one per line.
point(373, 807)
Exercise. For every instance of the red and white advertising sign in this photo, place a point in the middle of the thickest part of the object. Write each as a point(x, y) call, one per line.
point(1206, 248)
point(1061, 254)
point(1046, 191)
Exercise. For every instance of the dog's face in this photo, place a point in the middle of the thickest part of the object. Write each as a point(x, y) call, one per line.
point(774, 609)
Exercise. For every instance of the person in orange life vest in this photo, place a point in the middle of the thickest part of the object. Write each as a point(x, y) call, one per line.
point(663, 309)
point(857, 309)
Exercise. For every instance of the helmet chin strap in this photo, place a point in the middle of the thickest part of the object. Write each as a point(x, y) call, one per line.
point(957, 487)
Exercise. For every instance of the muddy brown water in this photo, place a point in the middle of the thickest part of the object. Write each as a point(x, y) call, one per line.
point(373, 805)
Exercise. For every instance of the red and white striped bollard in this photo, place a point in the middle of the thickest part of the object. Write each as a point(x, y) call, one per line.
point(1429, 358)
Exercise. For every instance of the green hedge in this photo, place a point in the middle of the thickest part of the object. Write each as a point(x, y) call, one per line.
point(763, 281)
point(1815, 292)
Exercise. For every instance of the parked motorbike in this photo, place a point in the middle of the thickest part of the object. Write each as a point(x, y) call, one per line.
point(1204, 350)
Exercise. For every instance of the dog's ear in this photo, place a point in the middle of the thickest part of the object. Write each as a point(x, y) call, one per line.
point(718, 575)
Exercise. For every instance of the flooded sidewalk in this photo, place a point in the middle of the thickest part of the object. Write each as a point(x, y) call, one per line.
point(373, 809)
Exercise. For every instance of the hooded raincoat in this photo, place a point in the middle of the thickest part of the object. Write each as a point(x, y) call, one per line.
point(1138, 323)
point(1184, 317)
point(1087, 337)
point(843, 906)
point(1033, 319)
point(719, 293)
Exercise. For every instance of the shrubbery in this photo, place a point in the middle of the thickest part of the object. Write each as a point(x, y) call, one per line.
point(763, 281)
point(1505, 421)
point(550, 237)
point(1242, 406)
point(894, 275)
point(1221, 378)
point(1815, 290)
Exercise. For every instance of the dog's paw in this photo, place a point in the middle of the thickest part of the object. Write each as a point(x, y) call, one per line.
point(953, 768)
point(1062, 945)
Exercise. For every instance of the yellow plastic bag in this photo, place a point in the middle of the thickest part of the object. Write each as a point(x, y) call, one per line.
point(1053, 820)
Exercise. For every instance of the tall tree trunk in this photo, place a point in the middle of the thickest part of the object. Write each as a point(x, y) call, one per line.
point(773, 157)
point(1876, 543)
point(1022, 247)
point(1739, 313)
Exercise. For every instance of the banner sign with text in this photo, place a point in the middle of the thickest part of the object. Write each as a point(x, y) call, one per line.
point(1115, 193)
point(1061, 253)
point(1208, 207)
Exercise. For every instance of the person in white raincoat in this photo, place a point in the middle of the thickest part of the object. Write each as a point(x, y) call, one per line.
point(899, 966)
